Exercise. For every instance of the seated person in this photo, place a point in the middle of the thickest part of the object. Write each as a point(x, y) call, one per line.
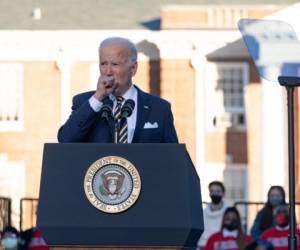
point(231, 235)
point(264, 218)
point(10, 238)
point(278, 235)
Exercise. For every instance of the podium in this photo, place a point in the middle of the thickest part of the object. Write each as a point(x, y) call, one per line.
point(166, 215)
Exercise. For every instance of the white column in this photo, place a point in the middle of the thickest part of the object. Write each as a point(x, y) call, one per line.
point(198, 61)
point(64, 63)
point(274, 134)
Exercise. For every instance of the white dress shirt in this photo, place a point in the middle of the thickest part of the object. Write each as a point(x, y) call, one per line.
point(131, 93)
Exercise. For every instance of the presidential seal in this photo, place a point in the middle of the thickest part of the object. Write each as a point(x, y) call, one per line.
point(112, 184)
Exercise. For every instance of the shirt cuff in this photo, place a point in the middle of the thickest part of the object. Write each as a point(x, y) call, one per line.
point(95, 104)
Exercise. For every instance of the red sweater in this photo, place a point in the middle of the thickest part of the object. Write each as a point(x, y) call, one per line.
point(278, 238)
point(37, 242)
point(218, 242)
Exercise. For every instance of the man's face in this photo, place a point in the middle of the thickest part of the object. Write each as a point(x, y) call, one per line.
point(216, 193)
point(115, 63)
point(216, 189)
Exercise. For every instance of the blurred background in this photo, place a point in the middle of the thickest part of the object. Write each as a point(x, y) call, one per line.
point(190, 53)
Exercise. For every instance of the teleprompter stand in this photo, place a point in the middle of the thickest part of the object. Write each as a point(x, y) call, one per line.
point(290, 83)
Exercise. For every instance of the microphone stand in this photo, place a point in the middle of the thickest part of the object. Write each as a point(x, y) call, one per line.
point(126, 111)
point(116, 131)
point(290, 83)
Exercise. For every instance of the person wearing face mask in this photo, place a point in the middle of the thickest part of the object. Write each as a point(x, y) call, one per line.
point(278, 235)
point(231, 235)
point(264, 218)
point(10, 238)
point(213, 213)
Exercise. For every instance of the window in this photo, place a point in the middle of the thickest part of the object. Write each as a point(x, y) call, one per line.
point(11, 97)
point(235, 181)
point(227, 82)
point(230, 82)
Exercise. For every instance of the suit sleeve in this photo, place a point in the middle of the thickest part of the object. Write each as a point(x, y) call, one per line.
point(170, 135)
point(79, 123)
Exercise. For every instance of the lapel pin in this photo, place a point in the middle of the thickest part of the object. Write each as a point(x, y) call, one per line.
point(146, 107)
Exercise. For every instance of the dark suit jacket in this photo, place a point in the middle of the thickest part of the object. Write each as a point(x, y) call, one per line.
point(85, 125)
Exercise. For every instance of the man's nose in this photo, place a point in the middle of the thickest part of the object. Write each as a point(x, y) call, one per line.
point(109, 71)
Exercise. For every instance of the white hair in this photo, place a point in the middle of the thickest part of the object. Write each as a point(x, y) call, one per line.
point(123, 41)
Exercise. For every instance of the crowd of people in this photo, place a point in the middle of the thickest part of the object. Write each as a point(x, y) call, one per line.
point(223, 229)
point(222, 226)
point(31, 239)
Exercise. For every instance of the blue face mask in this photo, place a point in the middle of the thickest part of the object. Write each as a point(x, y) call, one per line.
point(275, 201)
point(9, 243)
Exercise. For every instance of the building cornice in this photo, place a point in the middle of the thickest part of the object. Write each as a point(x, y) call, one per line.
point(81, 45)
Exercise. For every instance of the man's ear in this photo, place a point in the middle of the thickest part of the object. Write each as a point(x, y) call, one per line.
point(134, 68)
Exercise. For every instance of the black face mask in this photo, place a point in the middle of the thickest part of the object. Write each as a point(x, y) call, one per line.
point(231, 226)
point(215, 198)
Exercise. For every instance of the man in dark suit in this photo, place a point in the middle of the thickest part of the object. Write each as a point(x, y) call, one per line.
point(151, 120)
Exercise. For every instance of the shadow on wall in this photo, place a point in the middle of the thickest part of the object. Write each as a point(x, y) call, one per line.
point(152, 51)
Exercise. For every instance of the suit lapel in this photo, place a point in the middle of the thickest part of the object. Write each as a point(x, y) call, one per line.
point(143, 109)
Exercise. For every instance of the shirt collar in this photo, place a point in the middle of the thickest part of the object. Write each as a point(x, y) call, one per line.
point(129, 94)
point(227, 233)
point(282, 228)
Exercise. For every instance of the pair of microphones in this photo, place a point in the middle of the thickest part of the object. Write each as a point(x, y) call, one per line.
point(106, 111)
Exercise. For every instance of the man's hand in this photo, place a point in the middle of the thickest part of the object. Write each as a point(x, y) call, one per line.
point(105, 86)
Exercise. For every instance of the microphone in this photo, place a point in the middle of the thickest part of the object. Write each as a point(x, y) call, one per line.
point(107, 107)
point(127, 108)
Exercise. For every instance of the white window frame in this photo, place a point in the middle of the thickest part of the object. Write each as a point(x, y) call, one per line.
point(225, 117)
point(13, 126)
point(242, 180)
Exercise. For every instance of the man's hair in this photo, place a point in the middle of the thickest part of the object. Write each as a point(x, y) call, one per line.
point(124, 41)
point(217, 183)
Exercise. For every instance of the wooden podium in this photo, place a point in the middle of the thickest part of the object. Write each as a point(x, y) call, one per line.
point(167, 215)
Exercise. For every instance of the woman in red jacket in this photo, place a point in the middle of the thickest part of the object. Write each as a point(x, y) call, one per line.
point(231, 236)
